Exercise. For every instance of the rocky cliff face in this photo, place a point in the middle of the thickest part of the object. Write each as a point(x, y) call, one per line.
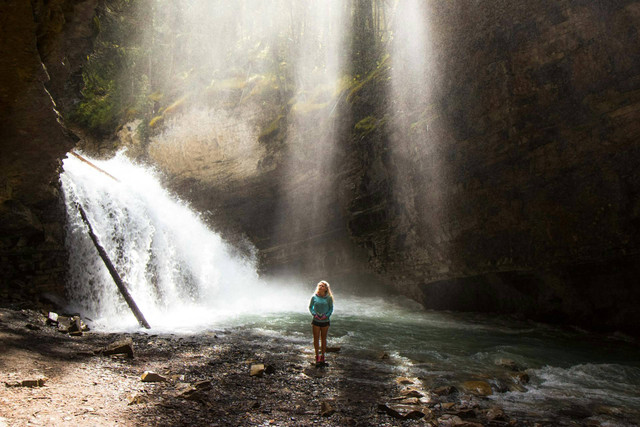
point(511, 186)
point(518, 189)
point(42, 45)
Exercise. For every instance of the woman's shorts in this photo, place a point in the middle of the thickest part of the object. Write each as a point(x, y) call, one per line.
point(321, 324)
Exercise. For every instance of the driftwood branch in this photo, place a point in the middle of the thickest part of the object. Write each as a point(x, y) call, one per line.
point(116, 277)
point(93, 166)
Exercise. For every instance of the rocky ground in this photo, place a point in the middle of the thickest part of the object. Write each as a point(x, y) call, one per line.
point(231, 377)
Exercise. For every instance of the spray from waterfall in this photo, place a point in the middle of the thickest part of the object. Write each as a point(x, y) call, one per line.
point(181, 274)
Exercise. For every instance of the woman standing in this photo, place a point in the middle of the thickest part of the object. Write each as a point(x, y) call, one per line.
point(321, 307)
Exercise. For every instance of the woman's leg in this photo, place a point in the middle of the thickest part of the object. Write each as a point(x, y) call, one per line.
point(316, 339)
point(323, 333)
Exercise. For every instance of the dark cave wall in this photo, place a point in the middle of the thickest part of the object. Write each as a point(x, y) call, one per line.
point(526, 165)
point(43, 45)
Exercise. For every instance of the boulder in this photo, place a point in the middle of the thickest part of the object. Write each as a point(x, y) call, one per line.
point(478, 388)
point(152, 377)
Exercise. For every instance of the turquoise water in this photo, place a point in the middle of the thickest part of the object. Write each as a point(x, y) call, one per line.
point(574, 375)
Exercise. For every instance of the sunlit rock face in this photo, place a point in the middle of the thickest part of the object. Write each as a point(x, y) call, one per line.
point(42, 45)
point(518, 170)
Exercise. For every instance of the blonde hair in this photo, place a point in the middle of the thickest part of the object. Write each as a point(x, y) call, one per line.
point(328, 287)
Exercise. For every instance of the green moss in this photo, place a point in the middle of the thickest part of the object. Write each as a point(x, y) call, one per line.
point(368, 125)
point(379, 73)
point(271, 130)
point(156, 121)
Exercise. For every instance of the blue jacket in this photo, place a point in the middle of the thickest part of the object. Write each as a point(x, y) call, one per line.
point(319, 306)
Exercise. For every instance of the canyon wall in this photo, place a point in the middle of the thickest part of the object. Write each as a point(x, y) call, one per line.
point(43, 45)
point(510, 185)
point(517, 189)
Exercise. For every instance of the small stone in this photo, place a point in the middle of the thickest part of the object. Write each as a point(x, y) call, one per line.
point(479, 388)
point(403, 412)
point(76, 324)
point(411, 392)
point(52, 318)
point(447, 405)
point(137, 398)
point(404, 380)
point(38, 382)
point(257, 370)
point(123, 346)
point(152, 377)
point(326, 410)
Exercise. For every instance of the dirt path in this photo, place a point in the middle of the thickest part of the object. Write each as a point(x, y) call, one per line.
point(207, 381)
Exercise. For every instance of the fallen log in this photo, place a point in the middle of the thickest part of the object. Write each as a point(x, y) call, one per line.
point(78, 156)
point(114, 274)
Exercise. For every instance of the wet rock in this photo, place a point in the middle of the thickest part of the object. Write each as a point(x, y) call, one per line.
point(63, 324)
point(411, 392)
point(404, 380)
point(75, 324)
point(495, 414)
point(257, 370)
point(478, 388)
point(508, 363)
point(445, 390)
point(326, 410)
point(520, 377)
point(123, 346)
point(404, 412)
point(152, 377)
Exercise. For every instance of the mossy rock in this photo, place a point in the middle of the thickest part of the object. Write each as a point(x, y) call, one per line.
point(156, 121)
point(272, 130)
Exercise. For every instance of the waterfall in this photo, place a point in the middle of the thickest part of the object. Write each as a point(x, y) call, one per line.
point(181, 274)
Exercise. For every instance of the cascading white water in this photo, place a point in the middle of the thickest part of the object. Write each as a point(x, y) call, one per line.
point(181, 274)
